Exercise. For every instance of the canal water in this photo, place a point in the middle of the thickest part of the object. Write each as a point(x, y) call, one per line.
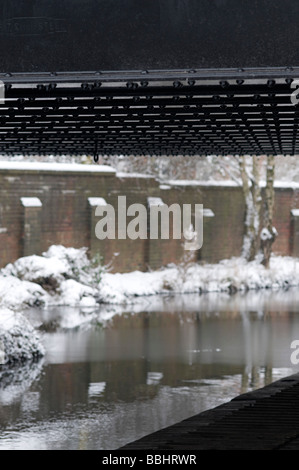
point(133, 371)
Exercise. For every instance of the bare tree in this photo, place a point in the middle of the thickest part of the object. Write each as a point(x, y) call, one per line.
point(268, 232)
point(259, 233)
point(250, 177)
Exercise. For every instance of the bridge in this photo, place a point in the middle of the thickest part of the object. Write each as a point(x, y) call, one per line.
point(157, 77)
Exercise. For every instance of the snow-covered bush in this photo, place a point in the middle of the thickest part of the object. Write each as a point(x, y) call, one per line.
point(46, 272)
point(61, 276)
point(18, 294)
point(77, 264)
point(19, 342)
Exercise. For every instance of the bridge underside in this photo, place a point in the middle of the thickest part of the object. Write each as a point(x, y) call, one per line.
point(192, 112)
point(187, 77)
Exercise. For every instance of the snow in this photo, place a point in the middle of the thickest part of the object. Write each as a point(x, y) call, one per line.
point(57, 167)
point(265, 234)
point(155, 201)
point(226, 183)
point(208, 213)
point(230, 183)
point(73, 293)
point(31, 202)
point(18, 294)
point(286, 184)
point(61, 276)
point(230, 275)
point(120, 174)
point(34, 267)
point(66, 277)
point(97, 201)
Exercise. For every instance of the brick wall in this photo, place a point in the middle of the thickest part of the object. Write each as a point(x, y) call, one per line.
point(66, 216)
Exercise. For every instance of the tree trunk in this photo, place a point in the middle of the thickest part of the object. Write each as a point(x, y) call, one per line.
point(268, 233)
point(252, 196)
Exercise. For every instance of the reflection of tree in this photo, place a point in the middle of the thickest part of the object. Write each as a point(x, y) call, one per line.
point(127, 380)
point(64, 385)
point(258, 349)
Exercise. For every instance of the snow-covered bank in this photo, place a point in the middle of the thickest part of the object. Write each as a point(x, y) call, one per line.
point(229, 276)
point(66, 277)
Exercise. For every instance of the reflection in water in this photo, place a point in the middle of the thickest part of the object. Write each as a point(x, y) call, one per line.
point(16, 380)
point(99, 388)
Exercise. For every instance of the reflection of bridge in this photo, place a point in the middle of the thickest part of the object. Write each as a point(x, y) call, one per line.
point(185, 77)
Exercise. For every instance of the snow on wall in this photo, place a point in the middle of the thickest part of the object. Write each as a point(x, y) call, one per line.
point(57, 167)
point(31, 202)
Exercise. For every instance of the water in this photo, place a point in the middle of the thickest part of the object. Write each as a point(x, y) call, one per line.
point(100, 387)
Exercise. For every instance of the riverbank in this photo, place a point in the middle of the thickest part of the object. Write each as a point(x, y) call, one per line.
point(66, 277)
